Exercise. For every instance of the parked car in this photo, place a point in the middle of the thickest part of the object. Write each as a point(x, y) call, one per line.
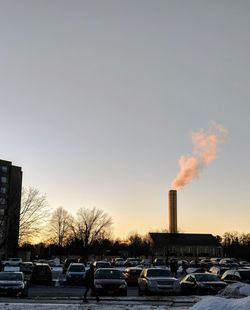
point(13, 283)
point(215, 260)
point(42, 274)
point(206, 262)
point(67, 262)
point(196, 270)
point(101, 264)
point(229, 262)
point(218, 270)
point(26, 268)
point(13, 261)
point(132, 274)
point(157, 281)
point(131, 262)
point(201, 283)
point(158, 262)
point(239, 275)
point(110, 281)
point(146, 262)
point(118, 262)
point(75, 273)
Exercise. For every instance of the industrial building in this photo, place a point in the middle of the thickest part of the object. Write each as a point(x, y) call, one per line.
point(183, 244)
point(10, 205)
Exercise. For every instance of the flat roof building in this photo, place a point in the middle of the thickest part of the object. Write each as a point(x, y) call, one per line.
point(10, 205)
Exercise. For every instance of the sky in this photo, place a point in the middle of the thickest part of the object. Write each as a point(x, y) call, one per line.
point(99, 100)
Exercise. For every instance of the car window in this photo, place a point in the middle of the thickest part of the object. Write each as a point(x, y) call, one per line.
point(11, 276)
point(109, 274)
point(206, 277)
point(245, 275)
point(102, 265)
point(158, 273)
point(76, 268)
point(42, 269)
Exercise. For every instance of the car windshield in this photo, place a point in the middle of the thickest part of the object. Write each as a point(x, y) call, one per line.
point(109, 274)
point(10, 276)
point(102, 265)
point(77, 268)
point(135, 271)
point(158, 273)
point(245, 275)
point(206, 277)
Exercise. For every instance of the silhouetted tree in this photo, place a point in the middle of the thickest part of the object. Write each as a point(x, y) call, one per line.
point(91, 225)
point(60, 226)
point(33, 215)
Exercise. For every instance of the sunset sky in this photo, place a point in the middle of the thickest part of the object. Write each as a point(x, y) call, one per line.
point(99, 100)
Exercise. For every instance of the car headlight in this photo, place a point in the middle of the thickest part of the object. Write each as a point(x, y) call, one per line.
point(98, 285)
point(20, 285)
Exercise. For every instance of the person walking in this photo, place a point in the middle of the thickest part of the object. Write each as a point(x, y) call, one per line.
point(173, 267)
point(89, 283)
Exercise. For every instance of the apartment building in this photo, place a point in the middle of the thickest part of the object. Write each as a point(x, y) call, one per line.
point(10, 204)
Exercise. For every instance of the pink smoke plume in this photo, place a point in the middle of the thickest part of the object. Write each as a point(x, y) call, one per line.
point(205, 149)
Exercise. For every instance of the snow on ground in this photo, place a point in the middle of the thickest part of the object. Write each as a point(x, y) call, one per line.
point(219, 303)
point(234, 294)
point(26, 306)
point(236, 290)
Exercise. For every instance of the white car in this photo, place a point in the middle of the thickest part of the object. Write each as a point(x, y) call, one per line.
point(157, 281)
point(13, 261)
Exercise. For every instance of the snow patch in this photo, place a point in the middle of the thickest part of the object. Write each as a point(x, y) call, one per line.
point(219, 303)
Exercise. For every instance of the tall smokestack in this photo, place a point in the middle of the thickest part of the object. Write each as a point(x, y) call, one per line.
point(172, 205)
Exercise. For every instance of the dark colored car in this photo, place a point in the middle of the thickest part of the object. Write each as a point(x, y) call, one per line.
point(26, 268)
point(158, 262)
point(132, 274)
point(101, 264)
point(201, 283)
point(41, 274)
point(75, 273)
point(131, 262)
point(12, 283)
point(239, 275)
point(110, 281)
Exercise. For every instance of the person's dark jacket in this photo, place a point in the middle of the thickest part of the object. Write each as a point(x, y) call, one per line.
point(89, 277)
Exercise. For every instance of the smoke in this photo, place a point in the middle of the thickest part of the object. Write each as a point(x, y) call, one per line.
point(205, 150)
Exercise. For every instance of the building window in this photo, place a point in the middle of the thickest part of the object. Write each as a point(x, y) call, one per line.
point(3, 190)
point(4, 180)
point(4, 169)
point(2, 201)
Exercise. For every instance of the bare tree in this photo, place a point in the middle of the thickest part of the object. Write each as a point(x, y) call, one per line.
point(60, 226)
point(33, 214)
point(92, 225)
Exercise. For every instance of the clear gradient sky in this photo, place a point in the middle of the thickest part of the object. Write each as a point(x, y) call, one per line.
point(98, 100)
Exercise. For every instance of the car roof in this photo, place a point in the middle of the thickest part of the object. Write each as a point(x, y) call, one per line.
point(134, 268)
point(201, 274)
point(156, 268)
point(15, 272)
point(109, 269)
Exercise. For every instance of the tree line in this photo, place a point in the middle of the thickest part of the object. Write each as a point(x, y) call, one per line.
point(89, 232)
